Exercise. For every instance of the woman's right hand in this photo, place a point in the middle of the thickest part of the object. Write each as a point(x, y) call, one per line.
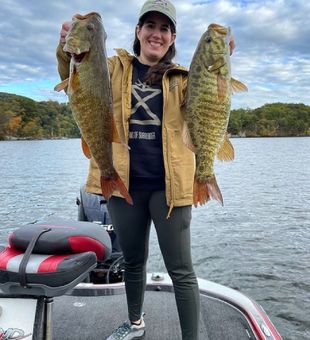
point(64, 31)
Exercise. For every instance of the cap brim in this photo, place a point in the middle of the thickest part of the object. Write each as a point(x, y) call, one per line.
point(162, 12)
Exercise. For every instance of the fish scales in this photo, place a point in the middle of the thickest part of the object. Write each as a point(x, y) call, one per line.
point(208, 107)
point(207, 116)
point(90, 97)
point(89, 107)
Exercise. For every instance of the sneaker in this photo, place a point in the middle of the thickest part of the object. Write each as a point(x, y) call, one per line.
point(128, 331)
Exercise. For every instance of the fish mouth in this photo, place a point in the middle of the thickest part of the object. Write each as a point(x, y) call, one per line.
point(78, 58)
point(77, 51)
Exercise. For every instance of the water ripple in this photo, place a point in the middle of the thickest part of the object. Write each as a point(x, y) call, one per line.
point(259, 243)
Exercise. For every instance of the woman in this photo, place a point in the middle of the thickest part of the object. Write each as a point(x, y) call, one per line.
point(148, 96)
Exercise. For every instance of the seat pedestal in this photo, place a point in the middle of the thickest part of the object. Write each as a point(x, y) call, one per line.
point(27, 311)
point(43, 261)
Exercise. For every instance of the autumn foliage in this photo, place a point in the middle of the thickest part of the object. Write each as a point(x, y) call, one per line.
point(24, 118)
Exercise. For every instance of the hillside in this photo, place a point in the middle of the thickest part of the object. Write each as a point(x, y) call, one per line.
point(271, 120)
point(24, 118)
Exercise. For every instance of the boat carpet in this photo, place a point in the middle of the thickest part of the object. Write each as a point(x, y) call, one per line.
point(95, 318)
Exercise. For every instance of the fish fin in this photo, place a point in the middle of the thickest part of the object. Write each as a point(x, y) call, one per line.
point(115, 135)
point(222, 87)
point(217, 64)
point(226, 152)
point(205, 191)
point(200, 194)
point(62, 86)
point(108, 185)
point(237, 86)
point(85, 148)
point(187, 139)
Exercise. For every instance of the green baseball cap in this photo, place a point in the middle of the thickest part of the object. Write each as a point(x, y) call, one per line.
point(162, 6)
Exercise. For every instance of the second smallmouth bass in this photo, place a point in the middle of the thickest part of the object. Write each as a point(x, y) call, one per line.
point(208, 108)
point(90, 97)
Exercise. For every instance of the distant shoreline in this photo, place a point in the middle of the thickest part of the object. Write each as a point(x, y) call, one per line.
point(12, 139)
point(67, 138)
point(236, 136)
point(22, 118)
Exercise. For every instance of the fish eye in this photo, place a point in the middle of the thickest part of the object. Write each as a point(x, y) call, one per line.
point(90, 27)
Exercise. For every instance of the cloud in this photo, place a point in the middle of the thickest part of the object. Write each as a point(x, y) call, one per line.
point(271, 55)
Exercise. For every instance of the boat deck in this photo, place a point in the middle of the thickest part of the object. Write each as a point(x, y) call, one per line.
point(95, 317)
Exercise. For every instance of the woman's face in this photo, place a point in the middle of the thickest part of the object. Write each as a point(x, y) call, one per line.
point(155, 38)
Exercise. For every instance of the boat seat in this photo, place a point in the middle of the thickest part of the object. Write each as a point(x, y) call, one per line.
point(64, 237)
point(50, 258)
point(46, 275)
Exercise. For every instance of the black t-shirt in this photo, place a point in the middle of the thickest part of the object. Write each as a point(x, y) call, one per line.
point(145, 133)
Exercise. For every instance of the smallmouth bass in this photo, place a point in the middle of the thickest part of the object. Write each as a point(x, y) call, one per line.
point(90, 97)
point(208, 103)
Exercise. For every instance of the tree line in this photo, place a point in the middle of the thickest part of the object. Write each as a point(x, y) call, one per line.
point(271, 120)
point(24, 118)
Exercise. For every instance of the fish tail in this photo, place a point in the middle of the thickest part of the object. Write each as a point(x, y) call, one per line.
point(205, 191)
point(110, 184)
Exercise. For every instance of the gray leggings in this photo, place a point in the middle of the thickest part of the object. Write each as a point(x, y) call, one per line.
point(132, 226)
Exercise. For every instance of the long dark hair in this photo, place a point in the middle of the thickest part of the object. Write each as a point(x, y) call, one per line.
point(156, 72)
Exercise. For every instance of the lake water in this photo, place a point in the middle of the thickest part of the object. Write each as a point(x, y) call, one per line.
point(258, 243)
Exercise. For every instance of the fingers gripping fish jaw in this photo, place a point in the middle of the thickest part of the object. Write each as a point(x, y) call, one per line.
point(79, 39)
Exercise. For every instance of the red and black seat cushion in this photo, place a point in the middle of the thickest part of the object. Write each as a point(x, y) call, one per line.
point(49, 270)
point(65, 237)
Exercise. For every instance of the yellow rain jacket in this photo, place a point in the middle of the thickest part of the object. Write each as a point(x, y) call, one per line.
point(179, 161)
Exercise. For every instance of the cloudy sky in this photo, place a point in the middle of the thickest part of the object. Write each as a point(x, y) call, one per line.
point(272, 54)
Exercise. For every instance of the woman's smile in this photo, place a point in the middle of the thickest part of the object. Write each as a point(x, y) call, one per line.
point(155, 43)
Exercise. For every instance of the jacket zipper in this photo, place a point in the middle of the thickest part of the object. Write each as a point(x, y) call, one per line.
point(171, 204)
